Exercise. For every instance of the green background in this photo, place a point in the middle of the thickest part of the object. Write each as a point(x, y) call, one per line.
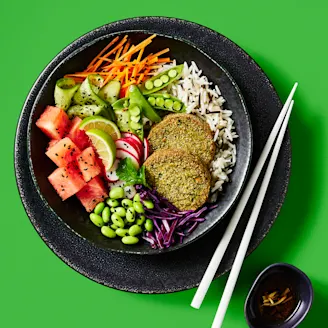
point(288, 39)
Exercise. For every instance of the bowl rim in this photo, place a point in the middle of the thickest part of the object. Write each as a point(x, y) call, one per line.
point(75, 50)
point(290, 267)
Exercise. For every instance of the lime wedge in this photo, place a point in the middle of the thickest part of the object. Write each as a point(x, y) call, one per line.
point(101, 123)
point(104, 145)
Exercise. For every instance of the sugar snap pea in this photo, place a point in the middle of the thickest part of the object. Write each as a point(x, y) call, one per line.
point(165, 101)
point(161, 80)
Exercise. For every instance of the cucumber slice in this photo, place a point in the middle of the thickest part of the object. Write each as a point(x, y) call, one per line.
point(122, 119)
point(110, 92)
point(64, 92)
point(83, 111)
point(87, 93)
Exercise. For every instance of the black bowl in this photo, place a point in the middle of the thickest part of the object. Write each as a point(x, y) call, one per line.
point(280, 273)
point(71, 211)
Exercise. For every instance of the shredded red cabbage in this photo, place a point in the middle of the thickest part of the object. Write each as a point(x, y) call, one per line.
point(170, 224)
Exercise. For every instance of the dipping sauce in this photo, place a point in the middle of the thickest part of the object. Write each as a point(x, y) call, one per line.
point(277, 299)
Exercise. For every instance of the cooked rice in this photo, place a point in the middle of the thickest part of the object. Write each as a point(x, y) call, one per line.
point(204, 99)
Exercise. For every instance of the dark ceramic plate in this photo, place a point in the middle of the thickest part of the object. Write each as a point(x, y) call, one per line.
point(71, 211)
point(171, 271)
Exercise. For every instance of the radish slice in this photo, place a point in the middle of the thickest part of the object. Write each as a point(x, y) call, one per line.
point(133, 136)
point(128, 146)
point(122, 153)
point(137, 145)
point(111, 174)
point(146, 149)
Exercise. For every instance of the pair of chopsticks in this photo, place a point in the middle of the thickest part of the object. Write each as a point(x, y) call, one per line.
point(279, 127)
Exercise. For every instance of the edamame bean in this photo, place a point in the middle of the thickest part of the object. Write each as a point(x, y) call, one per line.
point(122, 232)
point(149, 225)
point(165, 78)
point(130, 214)
point(140, 221)
point(135, 230)
point(114, 227)
point(130, 240)
point(149, 85)
point(99, 208)
point(119, 210)
point(116, 193)
point(108, 232)
point(112, 202)
point(106, 214)
point(158, 83)
point(117, 220)
point(126, 203)
point(152, 101)
point(149, 204)
point(138, 207)
point(96, 220)
point(136, 198)
point(172, 73)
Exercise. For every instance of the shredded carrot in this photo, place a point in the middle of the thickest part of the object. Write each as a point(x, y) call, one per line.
point(115, 62)
point(161, 52)
point(103, 51)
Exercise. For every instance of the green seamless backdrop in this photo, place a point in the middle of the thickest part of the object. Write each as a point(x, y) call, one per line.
point(288, 38)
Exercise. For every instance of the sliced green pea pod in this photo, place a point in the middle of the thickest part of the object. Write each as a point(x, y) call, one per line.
point(137, 98)
point(64, 92)
point(120, 104)
point(158, 80)
point(111, 91)
point(167, 102)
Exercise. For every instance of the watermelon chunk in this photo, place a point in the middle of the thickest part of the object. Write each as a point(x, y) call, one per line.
point(93, 193)
point(66, 181)
point(88, 164)
point(54, 122)
point(63, 152)
point(78, 136)
point(51, 143)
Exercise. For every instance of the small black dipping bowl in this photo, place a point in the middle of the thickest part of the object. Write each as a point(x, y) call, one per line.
point(282, 274)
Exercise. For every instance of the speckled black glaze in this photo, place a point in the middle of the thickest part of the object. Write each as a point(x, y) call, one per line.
point(183, 268)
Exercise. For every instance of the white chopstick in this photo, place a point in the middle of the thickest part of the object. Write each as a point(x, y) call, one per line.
point(238, 262)
point(220, 250)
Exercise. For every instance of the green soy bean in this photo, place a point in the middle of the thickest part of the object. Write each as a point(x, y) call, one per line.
point(138, 207)
point(149, 204)
point(149, 225)
point(135, 230)
point(130, 240)
point(136, 198)
point(112, 202)
point(99, 208)
point(106, 214)
point(130, 214)
point(96, 220)
point(117, 220)
point(141, 220)
point(122, 232)
point(116, 193)
point(119, 210)
point(108, 232)
point(126, 203)
point(114, 227)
